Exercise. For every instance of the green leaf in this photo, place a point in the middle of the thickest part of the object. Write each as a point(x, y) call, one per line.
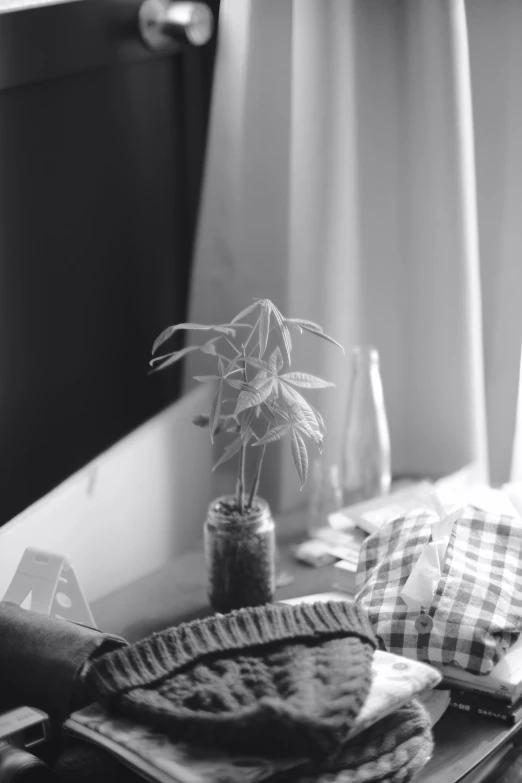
point(264, 327)
point(304, 322)
point(203, 421)
point(275, 433)
point(276, 407)
point(301, 413)
point(246, 419)
point(169, 331)
point(305, 380)
point(287, 340)
point(262, 388)
point(246, 311)
point(200, 420)
point(233, 365)
point(228, 375)
point(313, 328)
point(242, 385)
point(267, 412)
point(319, 419)
point(225, 328)
point(209, 347)
point(215, 411)
point(275, 361)
point(257, 363)
point(300, 456)
point(171, 358)
point(230, 451)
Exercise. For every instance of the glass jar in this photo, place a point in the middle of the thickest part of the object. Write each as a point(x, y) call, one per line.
point(240, 555)
point(366, 469)
point(326, 495)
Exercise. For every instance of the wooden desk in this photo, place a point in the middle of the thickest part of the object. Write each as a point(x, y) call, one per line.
point(177, 593)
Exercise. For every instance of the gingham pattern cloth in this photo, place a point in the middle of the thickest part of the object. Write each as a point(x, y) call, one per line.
point(476, 611)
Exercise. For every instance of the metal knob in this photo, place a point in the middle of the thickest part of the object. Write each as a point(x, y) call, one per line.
point(162, 22)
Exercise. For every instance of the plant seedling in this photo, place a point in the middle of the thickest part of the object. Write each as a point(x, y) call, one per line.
point(257, 397)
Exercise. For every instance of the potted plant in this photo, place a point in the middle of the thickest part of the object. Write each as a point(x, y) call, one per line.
point(256, 402)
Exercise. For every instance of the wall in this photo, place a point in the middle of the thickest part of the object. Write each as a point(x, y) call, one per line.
point(129, 511)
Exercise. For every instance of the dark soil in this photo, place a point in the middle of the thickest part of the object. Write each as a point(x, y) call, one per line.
point(240, 564)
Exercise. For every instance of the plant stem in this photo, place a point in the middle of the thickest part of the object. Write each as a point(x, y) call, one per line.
point(222, 356)
point(242, 457)
point(255, 483)
point(238, 352)
point(241, 481)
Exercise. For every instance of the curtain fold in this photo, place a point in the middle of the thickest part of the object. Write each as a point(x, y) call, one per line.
point(341, 183)
point(242, 246)
point(495, 32)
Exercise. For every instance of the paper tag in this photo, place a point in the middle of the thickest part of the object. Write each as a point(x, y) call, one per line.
point(422, 582)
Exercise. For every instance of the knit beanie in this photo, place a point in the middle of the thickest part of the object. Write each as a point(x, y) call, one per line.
point(276, 680)
point(393, 750)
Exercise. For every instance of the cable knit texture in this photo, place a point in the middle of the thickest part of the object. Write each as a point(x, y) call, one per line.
point(393, 750)
point(270, 680)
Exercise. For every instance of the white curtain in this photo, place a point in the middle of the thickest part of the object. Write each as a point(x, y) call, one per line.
point(495, 31)
point(364, 171)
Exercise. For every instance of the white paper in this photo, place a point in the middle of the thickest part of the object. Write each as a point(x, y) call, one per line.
point(422, 582)
point(371, 515)
point(461, 492)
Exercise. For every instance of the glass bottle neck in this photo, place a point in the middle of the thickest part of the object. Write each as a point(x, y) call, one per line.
point(365, 355)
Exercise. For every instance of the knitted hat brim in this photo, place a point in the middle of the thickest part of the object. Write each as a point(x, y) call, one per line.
point(162, 655)
point(316, 727)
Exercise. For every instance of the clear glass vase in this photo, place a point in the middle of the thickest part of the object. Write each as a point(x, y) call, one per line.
point(366, 470)
point(325, 495)
point(240, 555)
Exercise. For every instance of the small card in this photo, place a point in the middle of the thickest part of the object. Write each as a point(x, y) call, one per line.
point(346, 565)
point(314, 553)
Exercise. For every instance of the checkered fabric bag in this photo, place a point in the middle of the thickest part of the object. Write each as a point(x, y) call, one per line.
point(475, 613)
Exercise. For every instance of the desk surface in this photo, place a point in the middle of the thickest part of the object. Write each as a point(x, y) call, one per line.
point(177, 593)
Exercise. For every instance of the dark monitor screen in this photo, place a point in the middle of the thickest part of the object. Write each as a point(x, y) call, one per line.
point(100, 170)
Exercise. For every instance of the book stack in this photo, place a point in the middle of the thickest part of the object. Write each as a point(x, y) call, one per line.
point(495, 695)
